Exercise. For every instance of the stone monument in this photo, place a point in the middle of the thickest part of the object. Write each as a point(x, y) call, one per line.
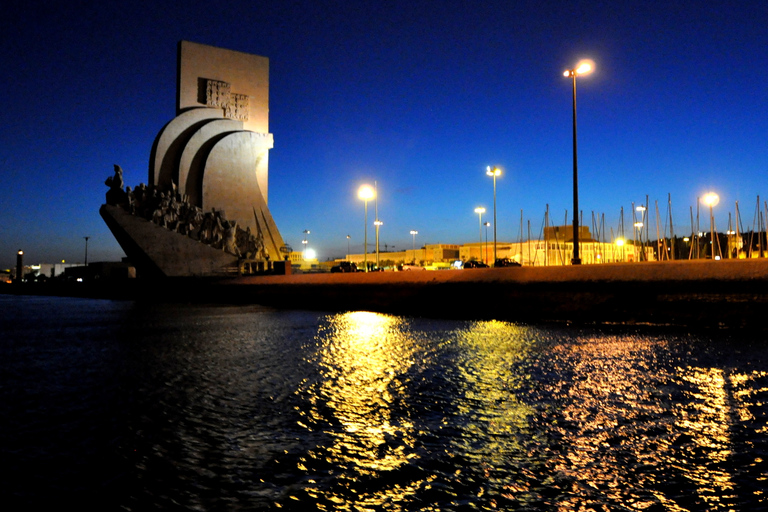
point(207, 188)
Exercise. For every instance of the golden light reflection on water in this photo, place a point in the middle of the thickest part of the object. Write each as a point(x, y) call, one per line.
point(372, 363)
point(490, 350)
point(508, 413)
point(629, 423)
point(361, 356)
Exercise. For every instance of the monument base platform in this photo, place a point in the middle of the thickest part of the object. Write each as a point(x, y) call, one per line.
point(158, 252)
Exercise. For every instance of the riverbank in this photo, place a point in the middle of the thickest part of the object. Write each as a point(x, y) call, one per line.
point(728, 293)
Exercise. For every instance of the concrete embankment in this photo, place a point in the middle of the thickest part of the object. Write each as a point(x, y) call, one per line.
point(700, 294)
point(728, 293)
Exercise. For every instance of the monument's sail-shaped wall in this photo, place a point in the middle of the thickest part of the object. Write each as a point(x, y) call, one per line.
point(214, 155)
point(216, 150)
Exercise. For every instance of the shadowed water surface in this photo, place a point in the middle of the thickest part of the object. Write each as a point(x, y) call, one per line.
point(136, 406)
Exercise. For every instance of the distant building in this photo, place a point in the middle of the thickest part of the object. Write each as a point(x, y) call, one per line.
point(555, 249)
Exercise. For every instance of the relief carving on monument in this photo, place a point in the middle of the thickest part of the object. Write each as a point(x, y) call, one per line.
point(237, 108)
point(219, 94)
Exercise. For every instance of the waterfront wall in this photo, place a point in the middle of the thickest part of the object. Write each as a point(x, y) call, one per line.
point(690, 293)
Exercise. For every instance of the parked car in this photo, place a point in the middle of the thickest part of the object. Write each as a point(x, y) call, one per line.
point(408, 266)
point(344, 266)
point(506, 262)
point(474, 264)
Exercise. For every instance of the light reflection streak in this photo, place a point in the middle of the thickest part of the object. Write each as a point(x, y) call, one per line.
point(362, 356)
point(495, 420)
point(629, 421)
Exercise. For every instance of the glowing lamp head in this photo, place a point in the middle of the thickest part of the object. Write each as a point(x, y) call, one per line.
point(620, 242)
point(479, 209)
point(493, 172)
point(366, 193)
point(414, 232)
point(711, 199)
point(310, 254)
point(584, 67)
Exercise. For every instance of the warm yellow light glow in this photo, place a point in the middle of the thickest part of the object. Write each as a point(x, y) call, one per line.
point(619, 242)
point(711, 199)
point(310, 254)
point(585, 67)
point(21, 252)
point(366, 193)
point(493, 172)
point(479, 209)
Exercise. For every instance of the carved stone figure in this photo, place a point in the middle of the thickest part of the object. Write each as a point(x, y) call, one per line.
point(116, 195)
point(230, 234)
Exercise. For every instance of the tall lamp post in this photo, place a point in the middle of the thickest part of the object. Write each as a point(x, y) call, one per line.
point(711, 199)
point(480, 211)
point(366, 193)
point(584, 67)
point(376, 222)
point(86, 250)
point(413, 234)
point(348, 237)
point(305, 242)
point(19, 266)
point(494, 173)
point(486, 224)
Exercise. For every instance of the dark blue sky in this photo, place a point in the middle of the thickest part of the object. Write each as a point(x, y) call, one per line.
point(418, 95)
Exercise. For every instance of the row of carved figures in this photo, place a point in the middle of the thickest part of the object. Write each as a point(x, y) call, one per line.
point(174, 212)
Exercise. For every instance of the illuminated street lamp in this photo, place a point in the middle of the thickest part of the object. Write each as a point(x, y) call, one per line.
point(711, 199)
point(639, 225)
point(378, 224)
point(480, 211)
point(19, 266)
point(366, 193)
point(414, 233)
point(584, 67)
point(305, 242)
point(494, 172)
point(486, 224)
point(348, 237)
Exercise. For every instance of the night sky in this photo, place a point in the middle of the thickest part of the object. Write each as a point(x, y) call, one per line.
point(420, 96)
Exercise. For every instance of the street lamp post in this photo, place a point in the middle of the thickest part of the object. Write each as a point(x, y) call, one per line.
point(366, 193)
point(494, 173)
point(305, 242)
point(19, 266)
point(413, 248)
point(582, 68)
point(480, 211)
point(378, 224)
point(86, 250)
point(348, 237)
point(486, 224)
point(711, 199)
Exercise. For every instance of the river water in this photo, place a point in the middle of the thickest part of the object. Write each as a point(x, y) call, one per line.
point(115, 405)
